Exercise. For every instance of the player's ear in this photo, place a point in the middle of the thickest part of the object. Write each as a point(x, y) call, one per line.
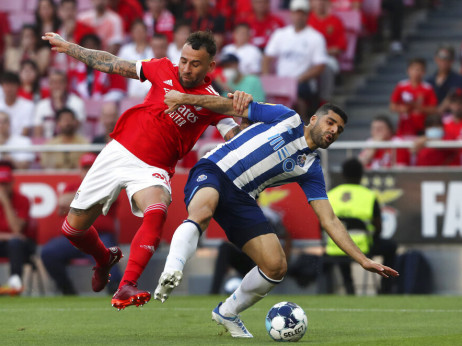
point(313, 120)
point(212, 65)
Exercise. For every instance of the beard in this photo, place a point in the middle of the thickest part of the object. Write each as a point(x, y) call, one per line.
point(318, 137)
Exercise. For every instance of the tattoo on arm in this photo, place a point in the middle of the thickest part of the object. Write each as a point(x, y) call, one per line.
point(104, 61)
point(231, 133)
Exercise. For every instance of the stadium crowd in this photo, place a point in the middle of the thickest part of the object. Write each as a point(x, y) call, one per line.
point(307, 41)
point(51, 98)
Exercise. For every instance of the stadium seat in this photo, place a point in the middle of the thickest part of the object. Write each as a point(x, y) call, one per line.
point(93, 110)
point(280, 89)
point(129, 102)
point(285, 15)
point(18, 19)
point(372, 7)
point(31, 5)
point(83, 5)
point(352, 22)
point(11, 6)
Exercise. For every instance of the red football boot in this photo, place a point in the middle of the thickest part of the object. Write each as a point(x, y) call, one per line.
point(128, 295)
point(101, 274)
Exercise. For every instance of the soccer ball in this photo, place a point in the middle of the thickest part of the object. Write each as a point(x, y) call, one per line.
point(286, 321)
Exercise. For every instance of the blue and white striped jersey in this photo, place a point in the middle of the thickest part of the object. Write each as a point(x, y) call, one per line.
point(271, 152)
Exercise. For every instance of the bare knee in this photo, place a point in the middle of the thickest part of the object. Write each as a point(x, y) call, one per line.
point(274, 267)
point(201, 215)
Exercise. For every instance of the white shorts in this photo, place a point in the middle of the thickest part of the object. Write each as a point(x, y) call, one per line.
point(116, 168)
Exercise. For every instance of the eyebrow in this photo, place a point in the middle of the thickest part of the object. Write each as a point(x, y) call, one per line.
point(191, 61)
point(335, 121)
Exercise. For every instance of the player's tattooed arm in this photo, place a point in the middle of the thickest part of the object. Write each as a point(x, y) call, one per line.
point(174, 99)
point(99, 60)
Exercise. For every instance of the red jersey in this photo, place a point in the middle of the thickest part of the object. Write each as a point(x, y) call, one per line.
point(157, 138)
point(331, 28)
point(385, 157)
point(452, 128)
point(129, 10)
point(453, 131)
point(261, 30)
point(21, 206)
point(413, 122)
point(104, 223)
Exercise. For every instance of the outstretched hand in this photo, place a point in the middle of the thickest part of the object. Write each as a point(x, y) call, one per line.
point(380, 269)
point(173, 99)
point(241, 101)
point(58, 43)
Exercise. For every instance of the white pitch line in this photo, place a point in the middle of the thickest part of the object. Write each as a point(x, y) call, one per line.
point(260, 309)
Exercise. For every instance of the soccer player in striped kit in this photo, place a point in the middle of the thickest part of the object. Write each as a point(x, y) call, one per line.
point(147, 143)
point(277, 149)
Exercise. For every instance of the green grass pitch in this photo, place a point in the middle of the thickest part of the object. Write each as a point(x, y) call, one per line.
point(186, 320)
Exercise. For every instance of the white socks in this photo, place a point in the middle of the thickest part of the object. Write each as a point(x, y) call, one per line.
point(183, 245)
point(253, 288)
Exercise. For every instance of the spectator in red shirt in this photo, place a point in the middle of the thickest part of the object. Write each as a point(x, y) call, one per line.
point(29, 76)
point(107, 24)
point(382, 131)
point(16, 236)
point(128, 10)
point(413, 100)
point(331, 27)
point(434, 130)
point(71, 29)
point(262, 22)
point(5, 34)
point(452, 121)
point(158, 19)
point(203, 17)
point(58, 252)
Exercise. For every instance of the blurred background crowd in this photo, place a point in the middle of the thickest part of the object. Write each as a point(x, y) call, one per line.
point(297, 52)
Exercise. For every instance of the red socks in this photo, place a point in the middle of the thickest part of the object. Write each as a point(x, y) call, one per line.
point(145, 242)
point(87, 241)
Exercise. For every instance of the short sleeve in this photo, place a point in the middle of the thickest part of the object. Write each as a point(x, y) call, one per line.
point(314, 186)
point(225, 125)
point(147, 69)
point(267, 113)
point(395, 96)
point(272, 48)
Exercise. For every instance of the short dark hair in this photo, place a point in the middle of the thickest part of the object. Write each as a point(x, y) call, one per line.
point(160, 36)
point(325, 108)
point(180, 23)
point(65, 110)
point(243, 24)
point(433, 120)
point(449, 49)
point(420, 61)
point(384, 119)
point(71, 1)
point(138, 21)
point(352, 169)
point(90, 37)
point(10, 77)
point(205, 39)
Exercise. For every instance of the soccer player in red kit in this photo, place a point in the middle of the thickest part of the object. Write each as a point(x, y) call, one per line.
point(141, 158)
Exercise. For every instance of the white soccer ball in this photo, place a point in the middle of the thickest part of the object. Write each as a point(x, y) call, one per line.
point(286, 321)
